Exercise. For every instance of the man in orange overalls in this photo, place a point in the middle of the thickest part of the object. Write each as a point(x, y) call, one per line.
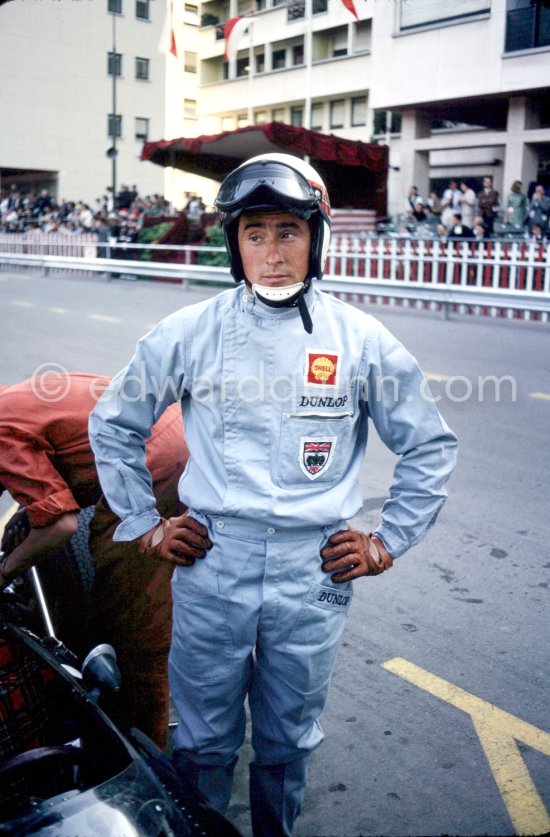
point(47, 466)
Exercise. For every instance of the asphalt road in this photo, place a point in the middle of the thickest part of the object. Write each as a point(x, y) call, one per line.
point(437, 721)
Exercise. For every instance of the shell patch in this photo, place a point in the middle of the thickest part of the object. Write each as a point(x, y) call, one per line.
point(322, 368)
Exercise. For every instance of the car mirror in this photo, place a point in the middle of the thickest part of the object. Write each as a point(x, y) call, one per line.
point(100, 671)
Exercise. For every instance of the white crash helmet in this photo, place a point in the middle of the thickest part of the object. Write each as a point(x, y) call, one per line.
point(276, 181)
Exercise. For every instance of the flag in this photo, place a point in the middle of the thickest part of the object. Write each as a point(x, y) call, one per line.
point(350, 7)
point(233, 31)
point(167, 43)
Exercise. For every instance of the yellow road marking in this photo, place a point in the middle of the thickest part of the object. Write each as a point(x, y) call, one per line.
point(498, 732)
point(21, 303)
point(436, 376)
point(104, 318)
point(58, 310)
point(545, 396)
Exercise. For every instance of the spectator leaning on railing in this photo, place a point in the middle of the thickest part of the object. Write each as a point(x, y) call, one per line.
point(539, 211)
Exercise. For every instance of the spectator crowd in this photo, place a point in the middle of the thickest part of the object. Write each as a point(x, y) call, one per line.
point(461, 213)
point(39, 212)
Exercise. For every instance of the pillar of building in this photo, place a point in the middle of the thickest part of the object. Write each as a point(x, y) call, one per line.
point(268, 57)
point(414, 164)
point(351, 39)
point(521, 160)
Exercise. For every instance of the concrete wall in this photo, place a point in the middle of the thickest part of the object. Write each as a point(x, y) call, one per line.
point(448, 61)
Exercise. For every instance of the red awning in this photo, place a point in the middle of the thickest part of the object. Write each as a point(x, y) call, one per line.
point(355, 172)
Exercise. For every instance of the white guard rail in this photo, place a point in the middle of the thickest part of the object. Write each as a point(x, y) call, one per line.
point(482, 277)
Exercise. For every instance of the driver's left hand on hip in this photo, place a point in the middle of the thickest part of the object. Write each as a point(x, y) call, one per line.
point(351, 553)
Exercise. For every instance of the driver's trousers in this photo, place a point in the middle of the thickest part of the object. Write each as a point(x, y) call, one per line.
point(256, 618)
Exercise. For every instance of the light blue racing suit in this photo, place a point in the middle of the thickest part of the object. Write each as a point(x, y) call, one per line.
point(276, 423)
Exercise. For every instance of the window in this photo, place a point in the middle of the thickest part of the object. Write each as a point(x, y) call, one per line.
point(297, 116)
point(317, 116)
point(242, 120)
point(190, 14)
point(260, 117)
point(395, 126)
point(278, 115)
point(142, 128)
point(379, 126)
point(114, 63)
point(114, 6)
point(208, 19)
point(260, 63)
point(242, 67)
point(337, 113)
point(527, 25)
point(190, 62)
point(358, 111)
point(189, 108)
point(430, 12)
point(228, 123)
point(385, 120)
point(142, 9)
point(278, 59)
point(142, 69)
point(339, 44)
point(297, 55)
point(295, 10)
point(114, 125)
point(363, 32)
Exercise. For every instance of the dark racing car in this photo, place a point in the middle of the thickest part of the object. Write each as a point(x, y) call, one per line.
point(65, 768)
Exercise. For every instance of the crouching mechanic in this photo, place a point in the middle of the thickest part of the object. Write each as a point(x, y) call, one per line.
point(47, 466)
point(277, 383)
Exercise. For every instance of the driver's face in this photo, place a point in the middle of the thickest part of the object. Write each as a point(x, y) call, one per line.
point(274, 248)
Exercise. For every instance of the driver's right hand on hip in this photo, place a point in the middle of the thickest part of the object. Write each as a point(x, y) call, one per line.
point(179, 540)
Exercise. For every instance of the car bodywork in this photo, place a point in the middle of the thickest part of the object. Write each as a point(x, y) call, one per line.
point(65, 768)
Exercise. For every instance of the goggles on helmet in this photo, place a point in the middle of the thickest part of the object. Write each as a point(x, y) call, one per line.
point(249, 186)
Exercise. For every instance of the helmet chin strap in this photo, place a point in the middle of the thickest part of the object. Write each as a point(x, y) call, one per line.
point(286, 296)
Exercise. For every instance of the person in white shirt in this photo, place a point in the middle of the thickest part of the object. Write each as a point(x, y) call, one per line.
point(450, 203)
point(468, 204)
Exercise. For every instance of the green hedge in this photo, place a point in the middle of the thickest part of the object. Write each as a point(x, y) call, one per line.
point(215, 239)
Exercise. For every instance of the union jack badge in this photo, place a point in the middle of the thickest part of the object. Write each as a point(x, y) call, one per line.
point(316, 456)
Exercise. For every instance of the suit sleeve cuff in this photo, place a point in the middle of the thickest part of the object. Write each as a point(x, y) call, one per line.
point(136, 526)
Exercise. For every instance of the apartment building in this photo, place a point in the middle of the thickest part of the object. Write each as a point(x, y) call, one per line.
point(271, 78)
point(181, 95)
point(456, 88)
point(462, 89)
point(81, 87)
